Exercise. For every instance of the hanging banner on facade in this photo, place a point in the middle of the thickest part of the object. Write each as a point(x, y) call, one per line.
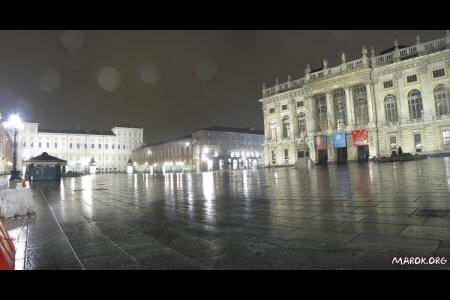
point(320, 142)
point(338, 140)
point(360, 137)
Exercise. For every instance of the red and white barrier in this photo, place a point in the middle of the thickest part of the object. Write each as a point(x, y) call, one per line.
point(16, 202)
point(7, 250)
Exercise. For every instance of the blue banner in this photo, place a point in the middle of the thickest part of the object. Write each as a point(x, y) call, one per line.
point(339, 140)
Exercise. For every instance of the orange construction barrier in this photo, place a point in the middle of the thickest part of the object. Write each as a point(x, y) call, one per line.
point(7, 250)
point(24, 184)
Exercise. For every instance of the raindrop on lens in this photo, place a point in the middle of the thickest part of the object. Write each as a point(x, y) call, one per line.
point(71, 39)
point(109, 78)
point(50, 80)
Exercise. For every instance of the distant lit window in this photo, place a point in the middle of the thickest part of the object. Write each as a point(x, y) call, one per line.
point(446, 137)
point(271, 111)
point(388, 84)
point(99, 146)
point(441, 100)
point(31, 145)
point(70, 145)
point(106, 146)
point(411, 78)
point(300, 103)
point(118, 146)
point(112, 146)
point(56, 145)
point(284, 107)
point(286, 154)
point(415, 104)
point(92, 146)
point(417, 140)
point(40, 144)
point(438, 73)
point(301, 154)
point(390, 108)
point(78, 146)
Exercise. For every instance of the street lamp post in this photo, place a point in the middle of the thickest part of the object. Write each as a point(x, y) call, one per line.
point(15, 123)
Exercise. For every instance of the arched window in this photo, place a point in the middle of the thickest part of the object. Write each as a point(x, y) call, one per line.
point(301, 123)
point(340, 109)
point(415, 104)
point(321, 112)
point(390, 108)
point(273, 130)
point(441, 100)
point(286, 127)
point(360, 105)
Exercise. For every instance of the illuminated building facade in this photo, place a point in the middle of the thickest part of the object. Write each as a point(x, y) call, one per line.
point(6, 150)
point(207, 149)
point(110, 149)
point(362, 108)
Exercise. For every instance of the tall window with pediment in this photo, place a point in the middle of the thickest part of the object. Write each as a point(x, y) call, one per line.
point(340, 109)
point(441, 100)
point(273, 130)
point(415, 104)
point(390, 108)
point(360, 105)
point(301, 124)
point(321, 112)
point(286, 127)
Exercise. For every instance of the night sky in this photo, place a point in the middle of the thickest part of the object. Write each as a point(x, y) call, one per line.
point(168, 82)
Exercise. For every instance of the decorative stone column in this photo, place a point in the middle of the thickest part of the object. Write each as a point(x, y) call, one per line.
point(349, 107)
point(330, 111)
point(427, 95)
point(402, 99)
point(370, 106)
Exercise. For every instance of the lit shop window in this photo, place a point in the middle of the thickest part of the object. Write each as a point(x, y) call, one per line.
point(446, 137)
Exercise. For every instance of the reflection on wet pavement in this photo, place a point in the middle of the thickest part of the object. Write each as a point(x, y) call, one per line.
point(355, 216)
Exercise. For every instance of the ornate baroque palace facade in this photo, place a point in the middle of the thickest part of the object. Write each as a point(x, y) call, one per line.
point(363, 108)
point(110, 149)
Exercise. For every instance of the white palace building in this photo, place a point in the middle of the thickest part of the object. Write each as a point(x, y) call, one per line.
point(363, 108)
point(109, 149)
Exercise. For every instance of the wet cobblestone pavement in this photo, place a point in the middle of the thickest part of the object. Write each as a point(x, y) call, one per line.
point(354, 216)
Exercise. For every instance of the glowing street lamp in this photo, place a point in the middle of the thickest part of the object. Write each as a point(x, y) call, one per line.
point(15, 123)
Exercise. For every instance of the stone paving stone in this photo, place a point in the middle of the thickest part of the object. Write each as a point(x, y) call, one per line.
point(295, 214)
point(444, 249)
point(396, 245)
point(371, 228)
point(312, 224)
point(38, 258)
point(340, 216)
point(393, 219)
point(329, 209)
point(406, 204)
point(440, 222)
point(311, 234)
point(91, 249)
point(111, 262)
point(427, 232)
point(385, 210)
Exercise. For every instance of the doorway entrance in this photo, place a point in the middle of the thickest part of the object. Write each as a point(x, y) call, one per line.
point(363, 153)
point(341, 155)
point(323, 157)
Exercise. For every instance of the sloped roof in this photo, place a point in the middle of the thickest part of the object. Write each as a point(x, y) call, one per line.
point(231, 129)
point(168, 141)
point(45, 157)
point(77, 131)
